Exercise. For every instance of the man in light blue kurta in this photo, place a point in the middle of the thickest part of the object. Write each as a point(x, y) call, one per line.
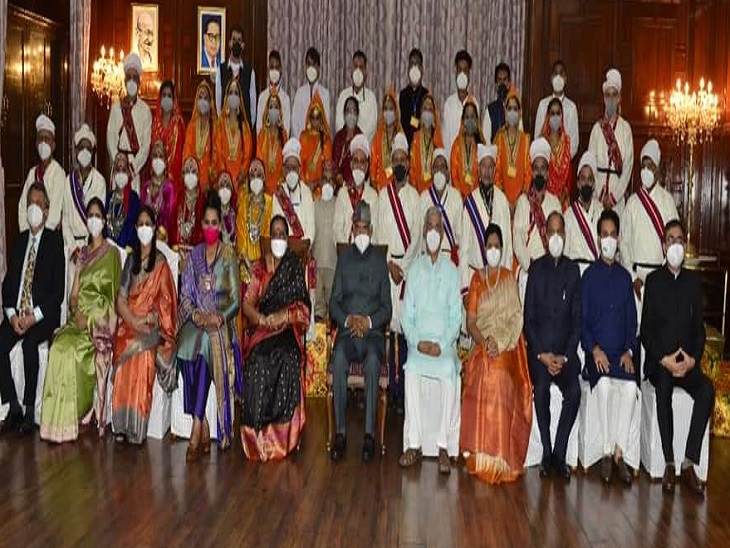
point(431, 321)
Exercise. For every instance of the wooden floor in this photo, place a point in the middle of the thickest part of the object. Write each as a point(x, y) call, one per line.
point(92, 493)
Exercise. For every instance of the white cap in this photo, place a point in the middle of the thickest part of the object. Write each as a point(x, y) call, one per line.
point(399, 143)
point(588, 159)
point(484, 151)
point(292, 148)
point(84, 132)
point(439, 152)
point(360, 142)
point(133, 61)
point(613, 80)
point(540, 148)
point(43, 122)
point(651, 149)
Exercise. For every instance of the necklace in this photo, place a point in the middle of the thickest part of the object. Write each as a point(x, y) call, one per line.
point(116, 215)
point(490, 287)
point(154, 196)
point(186, 222)
point(233, 140)
point(256, 206)
point(201, 139)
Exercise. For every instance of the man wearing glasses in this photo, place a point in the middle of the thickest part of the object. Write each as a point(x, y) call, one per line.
point(211, 54)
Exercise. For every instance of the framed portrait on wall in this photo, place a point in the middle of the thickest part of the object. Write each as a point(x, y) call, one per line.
point(211, 33)
point(145, 35)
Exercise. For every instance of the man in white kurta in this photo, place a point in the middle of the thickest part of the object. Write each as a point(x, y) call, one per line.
point(642, 223)
point(349, 196)
point(581, 218)
point(305, 94)
point(48, 172)
point(368, 118)
point(130, 123)
point(298, 194)
point(613, 144)
point(454, 104)
point(431, 322)
point(486, 204)
point(570, 111)
point(274, 87)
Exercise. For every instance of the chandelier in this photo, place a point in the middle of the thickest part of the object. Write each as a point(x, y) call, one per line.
point(107, 76)
point(692, 115)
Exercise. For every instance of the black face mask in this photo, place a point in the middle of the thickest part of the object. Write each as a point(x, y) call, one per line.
point(237, 49)
point(400, 172)
point(538, 183)
point(502, 91)
point(586, 192)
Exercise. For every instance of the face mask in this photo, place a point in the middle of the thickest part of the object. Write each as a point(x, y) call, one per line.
point(256, 185)
point(358, 176)
point(236, 49)
point(556, 122)
point(512, 117)
point(327, 192)
point(439, 181)
point(675, 255)
point(95, 225)
point(608, 247)
point(191, 180)
point(278, 248)
point(234, 101)
point(427, 118)
point(389, 116)
point(273, 116)
point(274, 76)
point(166, 104)
point(400, 172)
point(414, 75)
point(144, 234)
point(84, 157)
point(558, 84)
point(433, 241)
point(357, 77)
point(462, 80)
point(158, 166)
point(538, 183)
point(351, 120)
point(470, 126)
point(647, 177)
point(211, 234)
point(362, 241)
point(44, 150)
point(586, 193)
point(292, 180)
point(312, 74)
point(132, 88)
point(203, 106)
point(35, 216)
point(121, 179)
point(225, 195)
point(494, 254)
point(502, 90)
point(611, 107)
point(555, 245)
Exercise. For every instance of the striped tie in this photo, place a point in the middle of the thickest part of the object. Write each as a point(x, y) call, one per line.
point(25, 298)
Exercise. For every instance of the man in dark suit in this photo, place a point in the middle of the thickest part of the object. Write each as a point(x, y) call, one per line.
point(360, 307)
point(32, 295)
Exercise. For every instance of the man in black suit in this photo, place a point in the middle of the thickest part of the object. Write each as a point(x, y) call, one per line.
point(32, 296)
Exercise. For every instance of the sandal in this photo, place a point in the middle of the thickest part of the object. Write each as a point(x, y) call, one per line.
point(205, 441)
point(410, 458)
point(193, 453)
point(444, 462)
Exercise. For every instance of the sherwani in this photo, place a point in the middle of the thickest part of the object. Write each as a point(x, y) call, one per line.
point(343, 212)
point(118, 140)
point(617, 186)
point(576, 245)
point(54, 179)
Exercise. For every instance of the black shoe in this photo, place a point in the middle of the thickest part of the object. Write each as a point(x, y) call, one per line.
point(606, 470)
point(12, 422)
point(623, 472)
point(28, 424)
point(337, 451)
point(368, 448)
point(545, 465)
point(562, 470)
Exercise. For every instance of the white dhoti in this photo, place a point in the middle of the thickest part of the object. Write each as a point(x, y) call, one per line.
point(616, 401)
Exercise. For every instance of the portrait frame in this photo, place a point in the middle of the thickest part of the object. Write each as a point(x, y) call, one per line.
point(207, 15)
point(150, 57)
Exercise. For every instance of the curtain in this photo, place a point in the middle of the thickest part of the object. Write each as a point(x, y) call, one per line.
point(386, 31)
point(80, 17)
point(3, 37)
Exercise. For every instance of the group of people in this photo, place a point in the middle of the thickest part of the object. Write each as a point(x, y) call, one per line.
point(426, 230)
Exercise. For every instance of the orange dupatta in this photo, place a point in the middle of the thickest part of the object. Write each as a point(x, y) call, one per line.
point(464, 164)
point(513, 176)
point(316, 145)
point(560, 172)
point(381, 170)
point(199, 139)
point(422, 149)
point(233, 144)
point(270, 147)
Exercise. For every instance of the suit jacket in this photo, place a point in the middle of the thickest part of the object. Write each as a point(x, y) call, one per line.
point(49, 276)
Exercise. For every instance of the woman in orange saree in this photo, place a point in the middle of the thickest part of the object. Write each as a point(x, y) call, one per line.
point(381, 169)
point(145, 341)
point(233, 144)
point(464, 164)
point(316, 141)
point(270, 143)
point(513, 172)
point(199, 134)
point(496, 413)
point(560, 174)
point(425, 141)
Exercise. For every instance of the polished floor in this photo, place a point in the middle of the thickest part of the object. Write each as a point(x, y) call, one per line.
point(92, 493)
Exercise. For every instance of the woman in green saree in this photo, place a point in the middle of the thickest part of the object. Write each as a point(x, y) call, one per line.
point(81, 352)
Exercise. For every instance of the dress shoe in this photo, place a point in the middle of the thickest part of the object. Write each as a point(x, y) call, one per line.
point(606, 470)
point(624, 473)
point(337, 451)
point(545, 465)
point(28, 425)
point(444, 462)
point(692, 482)
point(670, 478)
point(368, 448)
point(12, 422)
point(562, 470)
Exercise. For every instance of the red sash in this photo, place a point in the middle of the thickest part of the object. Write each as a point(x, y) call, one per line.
point(655, 216)
point(537, 217)
point(128, 126)
point(615, 161)
point(291, 216)
point(401, 223)
point(40, 171)
point(584, 228)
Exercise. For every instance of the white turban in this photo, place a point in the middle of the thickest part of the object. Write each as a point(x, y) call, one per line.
point(132, 61)
point(360, 142)
point(292, 149)
point(440, 152)
point(44, 123)
point(540, 148)
point(484, 151)
point(588, 159)
point(399, 143)
point(84, 132)
point(651, 149)
point(613, 80)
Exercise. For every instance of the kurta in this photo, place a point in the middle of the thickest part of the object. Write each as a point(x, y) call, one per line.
point(452, 209)
point(570, 119)
point(344, 208)
point(301, 199)
point(302, 98)
point(77, 194)
point(577, 246)
point(117, 139)
point(513, 172)
point(285, 107)
point(528, 244)
point(162, 202)
point(617, 185)
point(451, 119)
point(368, 117)
point(422, 148)
point(54, 179)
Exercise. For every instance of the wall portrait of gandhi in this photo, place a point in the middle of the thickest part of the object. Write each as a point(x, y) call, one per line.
point(145, 35)
point(211, 33)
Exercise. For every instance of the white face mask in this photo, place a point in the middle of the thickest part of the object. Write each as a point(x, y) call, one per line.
point(121, 179)
point(84, 157)
point(608, 247)
point(327, 192)
point(234, 101)
point(273, 116)
point(95, 225)
point(351, 120)
point(312, 74)
point(558, 84)
point(647, 177)
point(494, 255)
point(433, 241)
point(675, 255)
point(256, 185)
point(203, 106)
point(427, 118)
point(357, 77)
point(389, 116)
point(158, 166)
point(225, 195)
point(462, 80)
point(414, 75)
point(44, 150)
point(358, 176)
point(144, 234)
point(439, 181)
point(274, 76)
point(35, 215)
point(555, 245)
point(166, 104)
point(278, 247)
point(362, 241)
point(556, 122)
point(512, 117)
point(191, 180)
point(292, 180)
point(131, 88)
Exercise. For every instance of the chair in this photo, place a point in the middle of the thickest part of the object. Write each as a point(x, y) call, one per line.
point(534, 448)
point(356, 377)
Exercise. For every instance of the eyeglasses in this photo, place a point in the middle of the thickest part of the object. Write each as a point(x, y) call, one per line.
point(212, 37)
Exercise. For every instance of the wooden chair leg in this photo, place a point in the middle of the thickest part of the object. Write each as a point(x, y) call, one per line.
point(330, 416)
point(382, 410)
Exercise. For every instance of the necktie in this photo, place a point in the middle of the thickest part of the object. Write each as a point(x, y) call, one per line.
point(25, 298)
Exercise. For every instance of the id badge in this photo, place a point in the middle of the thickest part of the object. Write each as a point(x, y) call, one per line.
point(414, 122)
